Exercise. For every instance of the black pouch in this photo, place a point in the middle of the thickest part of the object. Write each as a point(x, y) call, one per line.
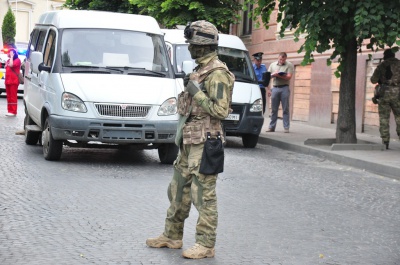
point(212, 160)
point(380, 90)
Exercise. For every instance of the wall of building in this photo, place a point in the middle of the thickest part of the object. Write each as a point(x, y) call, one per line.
point(315, 88)
point(27, 13)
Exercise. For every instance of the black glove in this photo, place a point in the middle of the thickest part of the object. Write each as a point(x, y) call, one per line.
point(186, 79)
point(193, 87)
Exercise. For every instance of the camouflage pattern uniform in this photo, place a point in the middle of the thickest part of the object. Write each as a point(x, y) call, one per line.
point(199, 114)
point(388, 74)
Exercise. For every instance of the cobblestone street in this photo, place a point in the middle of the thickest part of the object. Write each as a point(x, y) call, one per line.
point(98, 206)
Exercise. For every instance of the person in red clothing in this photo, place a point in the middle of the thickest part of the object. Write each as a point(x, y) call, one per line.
point(13, 67)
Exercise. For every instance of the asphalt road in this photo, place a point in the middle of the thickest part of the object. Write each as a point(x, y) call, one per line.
point(275, 207)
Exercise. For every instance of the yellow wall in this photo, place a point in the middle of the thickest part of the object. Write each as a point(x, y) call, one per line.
point(26, 14)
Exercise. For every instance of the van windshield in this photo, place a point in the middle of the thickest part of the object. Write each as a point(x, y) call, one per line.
point(113, 48)
point(237, 61)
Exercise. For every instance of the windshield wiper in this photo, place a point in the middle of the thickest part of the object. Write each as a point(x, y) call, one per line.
point(81, 65)
point(141, 69)
point(243, 78)
point(118, 68)
point(149, 72)
point(92, 69)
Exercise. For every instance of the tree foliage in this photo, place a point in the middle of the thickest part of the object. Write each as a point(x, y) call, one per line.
point(179, 12)
point(341, 26)
point(120, 6)
point(331, 24)
point(169, 12)
point(8, 29)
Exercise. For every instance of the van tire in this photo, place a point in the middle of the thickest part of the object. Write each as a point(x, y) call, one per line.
point(52, 149)
point(167, 153)
point(250, 140)
point(31, 137)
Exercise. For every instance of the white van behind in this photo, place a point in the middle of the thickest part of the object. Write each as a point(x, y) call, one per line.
point(246, 119)
point(103, 79)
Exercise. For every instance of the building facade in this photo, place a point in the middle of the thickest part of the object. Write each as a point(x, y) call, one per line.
point(27, 13)
point(314, 88)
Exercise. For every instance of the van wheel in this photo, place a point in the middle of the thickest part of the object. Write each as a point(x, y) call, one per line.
point(249, 140)
point(167, 153)
point(52, 149)
point(31, 137)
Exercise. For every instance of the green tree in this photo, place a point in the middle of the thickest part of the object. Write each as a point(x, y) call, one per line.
point(178, 12)
point(120, 6)
point(8, 29)
point(340, 25)
point(169, 12)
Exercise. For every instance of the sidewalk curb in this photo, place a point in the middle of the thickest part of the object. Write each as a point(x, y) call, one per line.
point(379, 169)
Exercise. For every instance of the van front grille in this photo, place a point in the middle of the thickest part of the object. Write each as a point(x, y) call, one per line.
point(122, 110)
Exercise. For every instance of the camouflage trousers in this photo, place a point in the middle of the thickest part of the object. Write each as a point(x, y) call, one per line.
point(189, 186)
point(389, 102)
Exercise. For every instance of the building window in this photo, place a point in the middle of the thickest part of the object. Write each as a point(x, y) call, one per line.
point(288, 33)
point(247, 21)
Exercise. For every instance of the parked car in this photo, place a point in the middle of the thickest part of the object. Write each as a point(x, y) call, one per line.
point(22, 48)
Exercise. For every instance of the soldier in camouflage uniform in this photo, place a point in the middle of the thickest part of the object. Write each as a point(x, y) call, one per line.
point(387, 74)
point(204, 103)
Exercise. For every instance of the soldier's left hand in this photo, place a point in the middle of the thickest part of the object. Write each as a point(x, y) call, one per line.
point(193, 87)
point(186, 79)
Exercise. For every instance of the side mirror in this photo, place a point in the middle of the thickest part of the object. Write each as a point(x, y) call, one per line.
point(43, 67)
point(36, 60)
point(187, 67)
point(180, 75)
point(266, 77)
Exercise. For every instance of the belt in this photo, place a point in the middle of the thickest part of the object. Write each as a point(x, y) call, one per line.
point(281, 86)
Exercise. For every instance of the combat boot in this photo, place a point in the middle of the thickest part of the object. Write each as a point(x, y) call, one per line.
point(386, 144)
point(163, 241)
point(198, 252)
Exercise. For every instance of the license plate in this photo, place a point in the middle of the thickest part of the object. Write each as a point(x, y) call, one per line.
point(124, 135)
point(232, 117)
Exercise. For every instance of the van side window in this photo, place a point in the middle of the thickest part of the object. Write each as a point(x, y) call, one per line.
point(50, 49)
point(42, 36)
point(33, 42)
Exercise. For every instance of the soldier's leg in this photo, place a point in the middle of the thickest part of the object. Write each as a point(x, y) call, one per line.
point(206, 204)
point(396, 113)
point(384, 115)
point(204, 198)
point(179, 196)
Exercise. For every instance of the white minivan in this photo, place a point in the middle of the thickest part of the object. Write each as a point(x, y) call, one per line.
point(100, 79)
point(246, 119)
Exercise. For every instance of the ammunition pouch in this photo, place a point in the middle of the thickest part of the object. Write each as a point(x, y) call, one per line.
point(379, 91)
point(212, 160)
point(184, 101)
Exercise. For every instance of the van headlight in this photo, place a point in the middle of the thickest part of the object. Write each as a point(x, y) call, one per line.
point(168, 107)
point(257, 106)
point(72, 103)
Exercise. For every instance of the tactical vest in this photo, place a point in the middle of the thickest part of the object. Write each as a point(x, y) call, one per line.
point(195, 130)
